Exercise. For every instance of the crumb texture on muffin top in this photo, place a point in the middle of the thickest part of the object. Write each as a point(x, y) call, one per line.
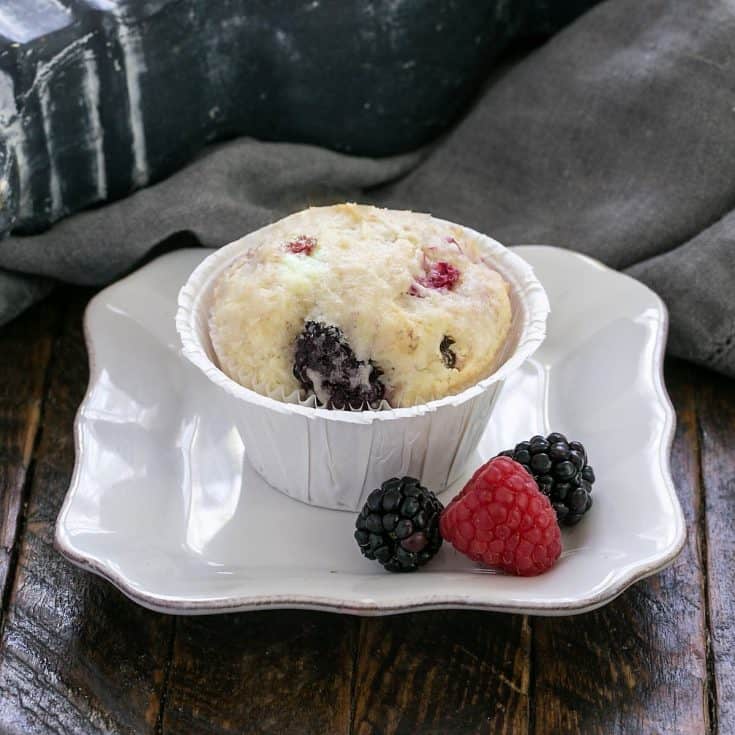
point(357, 305)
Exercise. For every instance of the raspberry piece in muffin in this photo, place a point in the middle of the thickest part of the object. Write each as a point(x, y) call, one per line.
point(440, 275)
point(302, 244)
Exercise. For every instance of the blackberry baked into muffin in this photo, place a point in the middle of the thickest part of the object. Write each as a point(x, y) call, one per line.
point(361, 308)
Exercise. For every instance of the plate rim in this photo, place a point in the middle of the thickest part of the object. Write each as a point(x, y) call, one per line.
point(174, 605)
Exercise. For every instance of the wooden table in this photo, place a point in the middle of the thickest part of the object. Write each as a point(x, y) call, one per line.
point(78, 657)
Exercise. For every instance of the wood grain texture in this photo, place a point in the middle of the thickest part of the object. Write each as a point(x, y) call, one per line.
point(442, 672)
point(282, 672)
point(637, 665)
point(717, 436)
point(75, 657)
point(25, 352)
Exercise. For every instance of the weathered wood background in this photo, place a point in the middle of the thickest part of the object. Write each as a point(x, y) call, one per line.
point(78, 657)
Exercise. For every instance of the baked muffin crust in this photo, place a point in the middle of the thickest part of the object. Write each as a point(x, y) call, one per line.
point(357, 305)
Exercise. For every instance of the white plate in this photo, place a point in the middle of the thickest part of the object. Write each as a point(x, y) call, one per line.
point(162, 505)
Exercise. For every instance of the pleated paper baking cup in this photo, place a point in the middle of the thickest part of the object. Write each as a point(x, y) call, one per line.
point(334, 458)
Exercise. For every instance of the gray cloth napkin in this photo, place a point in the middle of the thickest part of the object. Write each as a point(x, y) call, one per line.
point(616, 138)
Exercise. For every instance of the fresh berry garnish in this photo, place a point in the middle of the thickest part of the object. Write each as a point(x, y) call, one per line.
point(560, 468)
point(399, 525)
point(326, 366)
point(302, 244)
point(501, 519)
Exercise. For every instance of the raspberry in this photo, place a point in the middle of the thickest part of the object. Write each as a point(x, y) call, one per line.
point(501, 519)
point(302, 244)
point(440, 275)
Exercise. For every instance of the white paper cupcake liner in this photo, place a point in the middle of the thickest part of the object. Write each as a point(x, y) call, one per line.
point(334, 458)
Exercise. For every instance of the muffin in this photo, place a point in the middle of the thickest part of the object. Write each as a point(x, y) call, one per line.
point(361, 308)
point(359, 305)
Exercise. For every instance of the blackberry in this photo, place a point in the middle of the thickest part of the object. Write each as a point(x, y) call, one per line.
point(325, 365)
point(561, 471)
point(399, 525)
point(449, 358)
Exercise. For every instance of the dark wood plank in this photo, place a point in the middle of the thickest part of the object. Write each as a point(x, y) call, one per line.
point(75, 656)
point(717, 429)
point(637, 665)
point(25, 352)
point(282, 672)
point(442, 672)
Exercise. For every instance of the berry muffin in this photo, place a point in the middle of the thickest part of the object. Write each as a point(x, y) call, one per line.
point(361, 308)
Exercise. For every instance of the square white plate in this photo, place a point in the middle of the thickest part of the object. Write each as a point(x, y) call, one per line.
point(162, 504)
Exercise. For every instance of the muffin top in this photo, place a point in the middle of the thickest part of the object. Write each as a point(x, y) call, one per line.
point(358, 305)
